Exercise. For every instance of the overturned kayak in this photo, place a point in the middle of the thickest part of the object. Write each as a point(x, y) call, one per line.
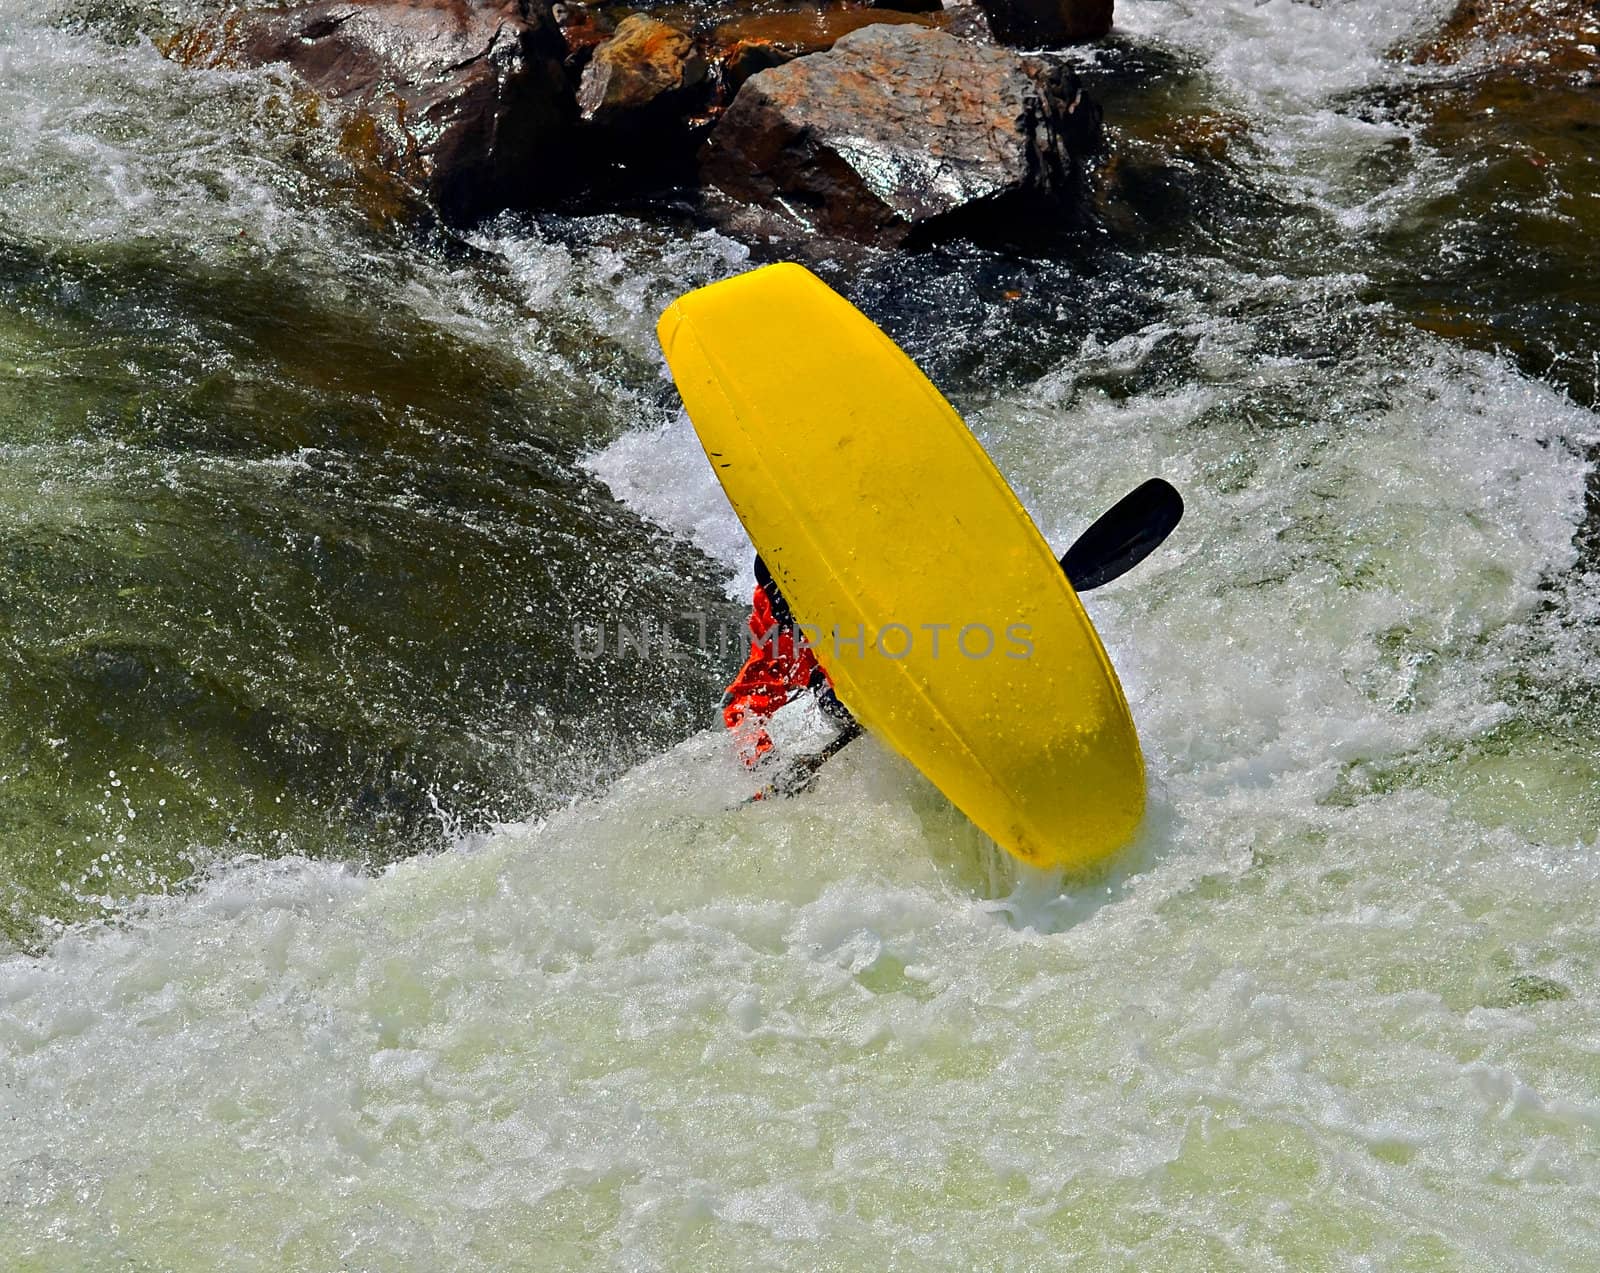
point(927, 592)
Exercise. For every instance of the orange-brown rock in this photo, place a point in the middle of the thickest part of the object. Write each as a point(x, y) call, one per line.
point(759, 41)
point(645, 71)
point(463, 100)
point(1541, 37)
point(1525, 73)
point(899, 129)
point(1513, 106)
point(801, 31)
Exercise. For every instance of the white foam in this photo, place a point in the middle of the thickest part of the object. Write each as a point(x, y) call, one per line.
point(1335, 1008)
point(1291, 66)
point(662, 473)
point(1285, 57)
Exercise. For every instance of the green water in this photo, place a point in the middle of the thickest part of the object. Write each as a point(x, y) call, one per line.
point(365, 923)
point(287, 568)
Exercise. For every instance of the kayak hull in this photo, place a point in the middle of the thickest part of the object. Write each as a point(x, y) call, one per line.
point(929, 595)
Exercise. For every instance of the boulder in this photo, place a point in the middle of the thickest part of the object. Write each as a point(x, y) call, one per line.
point(758, 41)
point(1047, 23)
point(645, 72)
point(900, 130)
point(464, 101)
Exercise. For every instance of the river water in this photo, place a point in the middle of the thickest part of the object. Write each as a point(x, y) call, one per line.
point(353, 917)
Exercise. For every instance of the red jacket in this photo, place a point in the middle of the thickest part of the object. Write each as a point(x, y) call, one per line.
point(777, 668)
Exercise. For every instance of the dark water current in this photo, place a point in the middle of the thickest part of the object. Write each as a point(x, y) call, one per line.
point(286, 570)
point(294, 523)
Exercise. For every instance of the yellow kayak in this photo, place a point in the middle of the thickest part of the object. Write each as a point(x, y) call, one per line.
point(927, 592)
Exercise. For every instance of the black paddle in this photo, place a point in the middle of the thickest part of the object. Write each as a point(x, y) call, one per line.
point(1123, 536)
point(1120, 538)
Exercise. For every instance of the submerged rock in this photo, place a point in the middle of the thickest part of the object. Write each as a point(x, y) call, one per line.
point(1520, 80)
point(463, 100)
point(900, 129)
point(1047, 23)
point(1538, 39)
point(1512, 101)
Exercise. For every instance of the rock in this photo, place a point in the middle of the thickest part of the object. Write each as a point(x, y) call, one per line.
point(464, 101)
point(1512, 103)
point(1536, 39)
point(760, 41)
point(898, 130)
point(1170, 173)
point(582, 30)
point(644, 72)
point(1523, 74)
point(1047, 23)
point(745, 59)
point(965, 19)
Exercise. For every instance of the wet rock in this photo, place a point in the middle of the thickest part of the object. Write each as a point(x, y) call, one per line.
point(1170, 176)
point(1523, 83)
point(744, 59)
point(582, 31)
point(1047, 23)
point(1512, 105)
point(901, 130)
point(967, 20)
point(760, 41)
point(1539, 39)
point(641, 75)
point(464, 101)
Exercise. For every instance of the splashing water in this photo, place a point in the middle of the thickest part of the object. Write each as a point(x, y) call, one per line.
point(1336, 1008)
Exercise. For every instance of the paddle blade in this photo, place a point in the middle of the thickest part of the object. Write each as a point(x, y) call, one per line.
point(1124, 535)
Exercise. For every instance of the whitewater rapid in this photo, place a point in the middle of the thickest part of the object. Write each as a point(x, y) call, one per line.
point(1336, 1008)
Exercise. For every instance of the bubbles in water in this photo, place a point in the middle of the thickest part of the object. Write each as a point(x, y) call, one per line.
point(1333, 1008)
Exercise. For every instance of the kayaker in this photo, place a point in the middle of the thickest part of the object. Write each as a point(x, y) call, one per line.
point(779, 666)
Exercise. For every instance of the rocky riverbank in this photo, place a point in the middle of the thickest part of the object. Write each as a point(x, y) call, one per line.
point(871, 124)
